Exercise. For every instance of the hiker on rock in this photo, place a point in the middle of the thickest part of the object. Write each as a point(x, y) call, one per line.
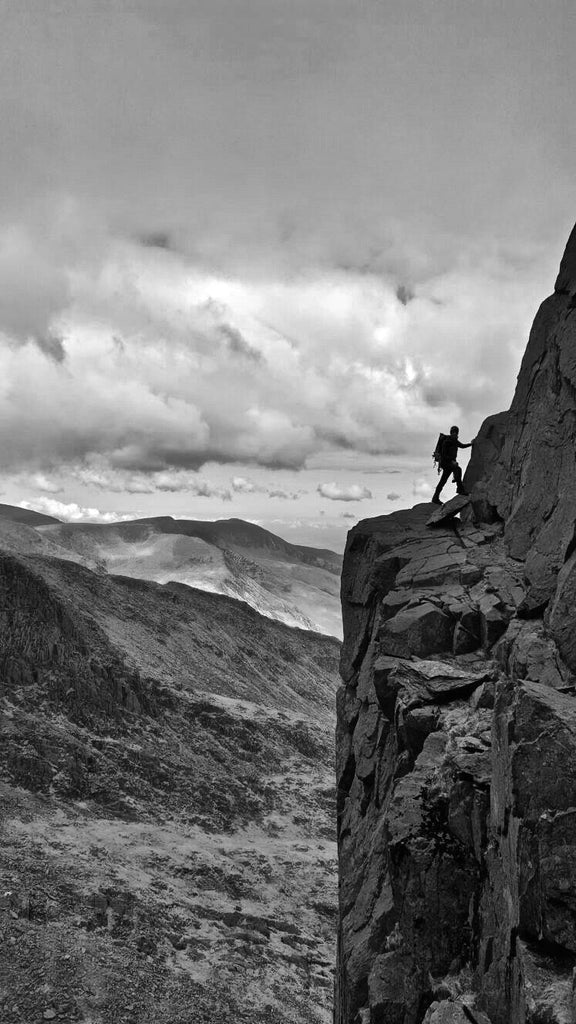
point(445, 455)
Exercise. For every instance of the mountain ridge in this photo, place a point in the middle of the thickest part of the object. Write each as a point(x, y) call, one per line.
point(27, 516)
point(291, 583)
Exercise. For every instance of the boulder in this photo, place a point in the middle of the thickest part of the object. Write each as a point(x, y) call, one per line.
point(464, 641)
point(434, 567)
point(437, 680)
point(394, 601)
point(493, 620)
point(471, 574)
point(445, 513)
point(527, 651)
point(422, 630)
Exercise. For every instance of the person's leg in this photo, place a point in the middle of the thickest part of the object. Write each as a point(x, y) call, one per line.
point(457, 470)
point(445, 474)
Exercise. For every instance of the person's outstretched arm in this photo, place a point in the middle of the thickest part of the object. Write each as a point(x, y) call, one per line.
point(469, 445)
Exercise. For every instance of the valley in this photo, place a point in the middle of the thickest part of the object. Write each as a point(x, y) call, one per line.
point(167, 800)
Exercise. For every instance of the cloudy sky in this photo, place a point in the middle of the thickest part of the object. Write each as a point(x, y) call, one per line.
point(255, 254)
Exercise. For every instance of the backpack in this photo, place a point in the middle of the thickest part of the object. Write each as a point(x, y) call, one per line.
point(437, 454)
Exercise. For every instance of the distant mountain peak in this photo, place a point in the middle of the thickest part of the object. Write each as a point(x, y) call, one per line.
point(26, 515)
point(291, 583)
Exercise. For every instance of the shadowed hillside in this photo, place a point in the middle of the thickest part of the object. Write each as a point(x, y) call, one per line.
point(167, 804)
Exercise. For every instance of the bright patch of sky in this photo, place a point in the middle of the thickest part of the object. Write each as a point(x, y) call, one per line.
point(254, 255)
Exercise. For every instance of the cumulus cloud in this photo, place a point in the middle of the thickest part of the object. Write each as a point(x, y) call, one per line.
point(73, 513)
point(152, 331)
point(242, 485)
point(98, 474)
point(279, 492)
point(393, 496)
point(337, 492)
point(139, 375)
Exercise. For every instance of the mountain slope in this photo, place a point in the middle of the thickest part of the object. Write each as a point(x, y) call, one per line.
point(237, 534)
point(20, 538)
point(291, 583)
point(166, 800)
point(26, 516)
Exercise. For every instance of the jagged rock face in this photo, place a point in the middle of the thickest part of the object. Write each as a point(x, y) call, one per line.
point(457, 727)
point(528, 902)
point(413, 758)
point(523, 467)
point(455, 816)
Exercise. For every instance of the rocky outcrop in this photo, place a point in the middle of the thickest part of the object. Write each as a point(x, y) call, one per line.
point(523, 468)
point(456, 738)
point(456, 821)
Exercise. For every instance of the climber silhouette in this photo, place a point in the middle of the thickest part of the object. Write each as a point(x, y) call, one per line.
point(447, 451)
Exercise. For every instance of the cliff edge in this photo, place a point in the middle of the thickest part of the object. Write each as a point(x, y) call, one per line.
point(456, 742)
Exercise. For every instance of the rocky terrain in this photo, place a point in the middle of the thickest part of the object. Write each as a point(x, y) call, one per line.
point(167, 831)
point(292, 583)
point(456, 746)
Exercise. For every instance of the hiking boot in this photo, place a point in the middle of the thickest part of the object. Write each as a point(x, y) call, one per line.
point(435, 500)
point(464, 493)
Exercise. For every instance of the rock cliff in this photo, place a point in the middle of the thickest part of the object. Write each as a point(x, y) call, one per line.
point(456, 738)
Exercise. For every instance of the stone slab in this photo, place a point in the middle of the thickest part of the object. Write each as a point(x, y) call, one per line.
point(445, 512)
